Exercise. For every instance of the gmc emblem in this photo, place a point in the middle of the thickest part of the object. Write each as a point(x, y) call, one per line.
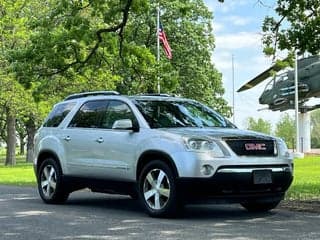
point(255, 146)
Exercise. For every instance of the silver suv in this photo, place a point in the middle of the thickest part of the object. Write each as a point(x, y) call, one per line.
point(166, 151)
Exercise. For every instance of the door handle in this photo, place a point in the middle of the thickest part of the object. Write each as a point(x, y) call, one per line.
point(67, 138)
point(100, 140)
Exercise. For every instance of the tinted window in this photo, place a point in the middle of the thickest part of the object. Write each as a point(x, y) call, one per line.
point(116, 110)
point(172, 114)
point(90, 115)
point(58, 114)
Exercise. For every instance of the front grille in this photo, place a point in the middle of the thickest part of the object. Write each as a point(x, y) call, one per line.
point(253, 147)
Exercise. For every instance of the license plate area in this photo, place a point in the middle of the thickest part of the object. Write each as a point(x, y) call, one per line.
point(262, 176)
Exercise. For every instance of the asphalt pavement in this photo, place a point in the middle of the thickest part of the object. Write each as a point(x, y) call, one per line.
point(92, 216)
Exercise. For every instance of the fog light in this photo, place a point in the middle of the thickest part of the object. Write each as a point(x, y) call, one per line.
point(206, 170)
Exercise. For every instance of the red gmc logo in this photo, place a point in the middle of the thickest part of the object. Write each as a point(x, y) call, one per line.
point(255, 146)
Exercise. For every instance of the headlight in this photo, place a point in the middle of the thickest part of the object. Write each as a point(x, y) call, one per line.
point(282, 148)
point(204, 145)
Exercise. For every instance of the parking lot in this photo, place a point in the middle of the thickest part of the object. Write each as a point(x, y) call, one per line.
point(89, 216)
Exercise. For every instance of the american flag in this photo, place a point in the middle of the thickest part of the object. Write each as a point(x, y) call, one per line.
point(165, 44)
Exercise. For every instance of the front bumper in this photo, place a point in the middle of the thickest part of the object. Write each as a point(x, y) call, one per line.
point(236, 184)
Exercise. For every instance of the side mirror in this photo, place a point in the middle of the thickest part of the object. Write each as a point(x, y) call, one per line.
point(125, 124)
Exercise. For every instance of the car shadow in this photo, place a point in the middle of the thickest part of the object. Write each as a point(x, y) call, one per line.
point(125, 204)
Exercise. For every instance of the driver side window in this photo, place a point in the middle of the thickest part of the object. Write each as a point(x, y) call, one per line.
point(117, 110)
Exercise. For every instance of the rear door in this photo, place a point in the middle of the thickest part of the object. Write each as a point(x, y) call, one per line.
point(81, 139)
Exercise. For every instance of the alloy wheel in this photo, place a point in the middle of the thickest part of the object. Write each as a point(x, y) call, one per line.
point(156, 189)
point(48, 181)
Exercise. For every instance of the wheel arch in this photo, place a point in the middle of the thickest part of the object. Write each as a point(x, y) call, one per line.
point(150, 155)
point(45, 154)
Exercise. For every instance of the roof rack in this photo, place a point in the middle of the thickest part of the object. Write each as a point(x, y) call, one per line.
point(89, 94)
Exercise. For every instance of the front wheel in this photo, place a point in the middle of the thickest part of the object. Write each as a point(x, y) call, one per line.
point(260, 206)
point(50, 184)
point(157, 190)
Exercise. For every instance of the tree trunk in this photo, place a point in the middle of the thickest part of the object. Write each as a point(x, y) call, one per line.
point(11, 139)
point(22, 145)
point(31, 131)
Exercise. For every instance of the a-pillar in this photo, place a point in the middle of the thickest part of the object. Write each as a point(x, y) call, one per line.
point(305, 132)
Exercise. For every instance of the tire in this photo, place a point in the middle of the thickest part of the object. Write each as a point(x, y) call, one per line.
point(260, 206)
point(157, 190)
point(50, 184)
point(134, 194)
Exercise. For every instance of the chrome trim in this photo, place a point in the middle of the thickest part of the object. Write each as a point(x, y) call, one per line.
point(100, 166)
point(250, 170)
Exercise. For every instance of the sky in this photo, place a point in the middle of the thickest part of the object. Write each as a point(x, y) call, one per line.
point(237, 30)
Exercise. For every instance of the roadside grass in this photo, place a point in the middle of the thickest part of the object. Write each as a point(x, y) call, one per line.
point(306, 184)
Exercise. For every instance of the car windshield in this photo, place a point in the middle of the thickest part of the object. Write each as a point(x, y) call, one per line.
point(173, 114)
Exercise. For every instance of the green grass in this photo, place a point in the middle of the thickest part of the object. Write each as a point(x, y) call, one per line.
point(21, 174)
point(306, 184)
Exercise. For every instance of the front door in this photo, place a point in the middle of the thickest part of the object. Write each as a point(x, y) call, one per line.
point(93, 148)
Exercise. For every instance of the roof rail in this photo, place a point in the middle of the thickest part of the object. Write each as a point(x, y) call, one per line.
point(157, 94)
point(89, 94)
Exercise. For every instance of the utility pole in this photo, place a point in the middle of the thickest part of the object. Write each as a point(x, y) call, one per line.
point(296, 102)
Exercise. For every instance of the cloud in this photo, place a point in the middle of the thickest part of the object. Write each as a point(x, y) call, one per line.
point(222, 60)
point(218, 27)
point(227, 6)
point(224, 23)
point(238, 40)
point(238, 20)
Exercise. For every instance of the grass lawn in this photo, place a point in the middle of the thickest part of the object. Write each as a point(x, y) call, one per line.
point(21, 174)
point(306, 184)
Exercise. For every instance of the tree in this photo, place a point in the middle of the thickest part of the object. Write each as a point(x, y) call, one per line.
point(15, 100)
point(87, 45)
point(50, 49)
point(295, 28)
point(259, 125)
point(21, 134)
point(285, 129)
point(315, 129)
point(11, 101)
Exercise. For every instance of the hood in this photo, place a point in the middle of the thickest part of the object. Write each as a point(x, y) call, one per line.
point(218, 133)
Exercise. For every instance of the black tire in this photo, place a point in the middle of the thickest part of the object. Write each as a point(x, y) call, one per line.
point(134, 193)
point(50, 183)
point(260, 206)
point(162, 200)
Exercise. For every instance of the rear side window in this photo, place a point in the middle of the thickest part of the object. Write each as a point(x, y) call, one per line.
point(58, 113)
point(90, 114)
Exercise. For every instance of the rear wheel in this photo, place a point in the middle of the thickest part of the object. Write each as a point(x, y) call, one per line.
point(50, 184)
point(260, 206)
point(157, 190)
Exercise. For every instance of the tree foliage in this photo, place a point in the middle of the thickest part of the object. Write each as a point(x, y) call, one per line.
point(86, 45)
point(295, 28)
point(12, 31)
point(49, 49)
point(285, 129)
point(19, 113)
point(259, 125)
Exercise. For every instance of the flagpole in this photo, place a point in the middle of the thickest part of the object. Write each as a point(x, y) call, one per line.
point(158, 45)
point(233, 103)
